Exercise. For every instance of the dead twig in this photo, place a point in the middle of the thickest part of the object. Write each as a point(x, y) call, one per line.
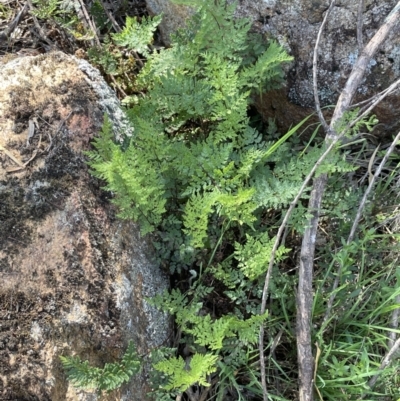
point(117, 86)
point(357, 220)
point(386, 361)
point(315, 69)
point(308, 243)
point(394, 323)
point(22, 167)
point(317, 356)
point(42, 35)
point(90, 22)
point(304, 299)
point(57, 130)
point(361, 64)
point(11, 156)
point(375, 101)
point(360, 25)
point(62, 123)
point(273, 255)
point(5, 35)
point(371, 163)
point(114, 23)
point(307, 253)
point(305, 293)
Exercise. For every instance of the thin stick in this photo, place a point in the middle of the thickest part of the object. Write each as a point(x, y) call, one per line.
point(305, 294)
point(304, 345)
point(90, 22)
point(110, 17)
point(357, 220)
point(315, 68)
point(42, 34)
point(117, 86)
point(331, 138)
point(11, 156)
point(372, 99)
point(273, 254)
point(14, 23)
point(394, 323)
point(386, 361)
point(376, 100)
point(361, 64)
point(360, 26)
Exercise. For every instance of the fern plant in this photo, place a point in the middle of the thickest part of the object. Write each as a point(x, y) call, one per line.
point(137, 36)
point(120, 53)
point(192, 133)
point(199, 177)
point(108, 378)
point(183, 375)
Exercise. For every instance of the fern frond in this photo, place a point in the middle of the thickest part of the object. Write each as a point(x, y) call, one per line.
point(195, 219)
point(112, 376)
point(254, 255)
point(183, 375)
point(137, 36)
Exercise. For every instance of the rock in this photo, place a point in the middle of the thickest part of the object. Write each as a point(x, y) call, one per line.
point(295, 25)
point(174, 16)
point(73, 277)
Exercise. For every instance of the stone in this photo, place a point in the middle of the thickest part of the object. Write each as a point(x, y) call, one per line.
point(174, 16)
point(73, 276)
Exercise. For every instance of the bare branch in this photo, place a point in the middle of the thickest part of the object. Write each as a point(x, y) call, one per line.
point(273, 254)
point(375, 101)
point(386, 361)
point(114, 23)
point(90, 22)
point(4, 35)
point(307, 255)
point(381, 95)
point(357, 220)
point(394, 323)
point(370, 186)
point(361, 64)
point(360, 25)
point(42, 35)
point(304, 306)
point(305, 296)
point(315, 68)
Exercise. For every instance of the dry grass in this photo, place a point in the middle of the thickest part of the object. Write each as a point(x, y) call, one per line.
point(22, 33)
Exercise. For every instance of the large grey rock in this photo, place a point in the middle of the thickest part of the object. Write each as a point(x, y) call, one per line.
point(73, 277)
point(295, 25)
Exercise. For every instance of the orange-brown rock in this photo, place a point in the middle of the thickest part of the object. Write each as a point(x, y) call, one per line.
point(73, 277)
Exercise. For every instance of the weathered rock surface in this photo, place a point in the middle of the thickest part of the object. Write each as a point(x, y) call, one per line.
point(174, 16)
point(295, 25)
point(73, 277)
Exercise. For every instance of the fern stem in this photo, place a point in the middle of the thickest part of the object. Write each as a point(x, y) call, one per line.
point(223, 231)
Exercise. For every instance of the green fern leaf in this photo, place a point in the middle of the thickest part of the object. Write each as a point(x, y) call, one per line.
point(183, 375)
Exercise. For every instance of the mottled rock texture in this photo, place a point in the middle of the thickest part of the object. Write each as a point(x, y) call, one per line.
point(295, 25)
point(174, 16)
point(73, 277)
